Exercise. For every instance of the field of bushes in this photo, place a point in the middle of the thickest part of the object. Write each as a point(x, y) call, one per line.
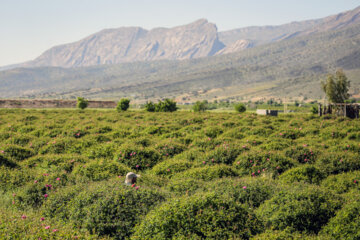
point(203, 175)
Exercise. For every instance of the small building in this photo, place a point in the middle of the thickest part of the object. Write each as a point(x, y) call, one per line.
point(350, 110)
point(267, 112)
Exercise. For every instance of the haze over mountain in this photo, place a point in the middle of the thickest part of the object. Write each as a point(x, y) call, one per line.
point(286, 60)
point(194, 40)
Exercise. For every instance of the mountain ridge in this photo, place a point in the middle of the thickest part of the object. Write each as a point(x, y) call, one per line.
point(194, 40)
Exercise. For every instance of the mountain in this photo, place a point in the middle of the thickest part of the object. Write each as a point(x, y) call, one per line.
point(194, 62)
point(194, 40)
point(130, 44)
point(267, 34)
point(289, 68)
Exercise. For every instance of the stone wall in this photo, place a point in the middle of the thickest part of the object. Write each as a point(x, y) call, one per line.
point(52, 104)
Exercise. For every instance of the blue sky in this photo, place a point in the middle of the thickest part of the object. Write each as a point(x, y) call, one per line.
point(29, 27)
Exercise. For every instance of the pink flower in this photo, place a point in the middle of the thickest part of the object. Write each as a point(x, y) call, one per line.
point(204, 162)
point(238, 163)
point(14, 194)
point(259, 171)
point(133, 185)
point(119, 176)
point(46, 195)
point(42, 219)
point(23, 216)
point(47, 227)
point(137, 166)
point(253, 174)
point(58, 179)
point(268, 159)
point(55, 230)
point(136, 188)
point(36, 181)
point(244, 187)
point(168, 170)
point(355, 181)
point(45, 174)
point(2, 151)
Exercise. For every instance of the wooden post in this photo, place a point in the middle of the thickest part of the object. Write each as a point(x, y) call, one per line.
point(344, 109)
point(320, 110)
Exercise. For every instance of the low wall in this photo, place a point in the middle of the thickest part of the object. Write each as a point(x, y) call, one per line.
point(52, 104)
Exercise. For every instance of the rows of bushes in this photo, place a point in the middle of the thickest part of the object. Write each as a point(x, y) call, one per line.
point(214, 175)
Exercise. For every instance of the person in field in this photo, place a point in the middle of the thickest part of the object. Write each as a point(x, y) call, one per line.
point(131, 178)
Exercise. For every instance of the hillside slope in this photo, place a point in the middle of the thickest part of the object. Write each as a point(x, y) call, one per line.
point(288, 68)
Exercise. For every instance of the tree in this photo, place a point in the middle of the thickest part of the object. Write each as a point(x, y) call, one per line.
point(167, 105)
point(82, 103)
point(123, 105)
point(150, 106)
point(200, 106)
point(336, 87)
point(240, 107)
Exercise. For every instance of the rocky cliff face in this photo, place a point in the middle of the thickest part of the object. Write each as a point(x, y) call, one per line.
point(195, 40)
point(237, 46)
point(111, 46)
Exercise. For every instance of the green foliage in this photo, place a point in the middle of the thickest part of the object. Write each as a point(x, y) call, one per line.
point(336, 87)
point(200, 106)
point(314, 110)
point(82, 103)
point(308, 174)
point(342, 183)
point(137, 157)
point(150, 106)
point(201, 216)
point(96, 171)
point(18, 153)
point(303, 209)
point(167, 105)
point(346, 223)
point(240, 107)
point(109, 208)
point(207, 173)
point(242, 159)
point(123, 105)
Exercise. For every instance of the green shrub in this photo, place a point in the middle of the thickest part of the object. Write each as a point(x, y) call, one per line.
point(343, 182)
point(257, 163)
point(137, 157)
point(207, 173)
point(171, 167)
point(185, 186)
point(200, 106)
point(167, 105)
point(202, 216)
point(301, 154)
point(240, 107)
point(335, 162)
point(82, 103)
point(96, 171)
point(6, 162)
point(308, 174)
point(346, 223)
point(224, 153)
point(111, 209)
point(123, 105)
point(305, 209)
point(18, 153)
point(150, 106)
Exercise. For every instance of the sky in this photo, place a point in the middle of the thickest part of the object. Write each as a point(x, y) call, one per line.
point(29, 27)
